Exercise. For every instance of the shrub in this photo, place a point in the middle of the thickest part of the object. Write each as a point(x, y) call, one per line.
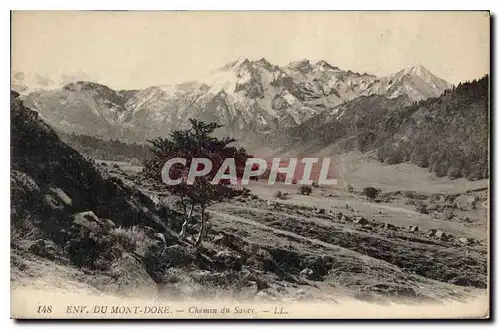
point(370, 192)
point(280, 195)
point(349, 188)
point(305, 189)
point(315, 184)
point(131, 239)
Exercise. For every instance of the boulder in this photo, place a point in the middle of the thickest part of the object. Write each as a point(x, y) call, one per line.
point(44, 248)
point(441, 236)
point(466, 241)
point(433, 207)
point(360, 220)
point(51, 203)
point(61, 196)
point(319, 211)
point(89, 221)
point(388, 226)
point(307, 273)
point(228, 259)
point(345, 219)
point(161, 237)
point(465, 202)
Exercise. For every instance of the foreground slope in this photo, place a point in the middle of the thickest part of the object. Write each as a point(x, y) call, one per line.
point(97, 226)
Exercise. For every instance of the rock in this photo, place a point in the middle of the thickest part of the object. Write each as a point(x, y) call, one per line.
point(132, 280)
point(465, 202)
point(368, 227)
point(44, 248)
point(90, 221)
point(345, 219)
point(431, 233)
point(388, 226)
point(441, 235)
point(466, 241)
point(433, 207)
point(52, 203)
point(413, 228)
point(61, 195)
point(360, 220)
point(229, 259)
point(307, 272)
point(319, 211)
point(160, 237)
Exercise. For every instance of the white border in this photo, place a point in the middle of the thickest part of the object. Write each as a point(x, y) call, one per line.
point(191, 5)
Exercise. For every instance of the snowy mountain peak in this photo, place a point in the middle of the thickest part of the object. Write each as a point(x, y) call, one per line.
point(303, 65)
point(417, 70)
point(324, 66)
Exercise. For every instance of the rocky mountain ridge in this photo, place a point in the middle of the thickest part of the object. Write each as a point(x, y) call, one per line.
point(250, 98)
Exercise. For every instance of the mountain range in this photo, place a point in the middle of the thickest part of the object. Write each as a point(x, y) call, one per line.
point(252, 99)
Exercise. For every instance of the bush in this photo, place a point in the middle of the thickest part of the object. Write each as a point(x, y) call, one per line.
point(280, 195)
point(133, 239)
point(349, 188)
point(305, 189)
point(370, 192)
point(315, 184)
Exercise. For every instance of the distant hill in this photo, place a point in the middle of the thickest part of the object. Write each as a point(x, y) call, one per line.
point(448, 134)
point(113, 150)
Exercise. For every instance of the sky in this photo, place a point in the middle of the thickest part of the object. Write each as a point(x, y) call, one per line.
point(130, 50)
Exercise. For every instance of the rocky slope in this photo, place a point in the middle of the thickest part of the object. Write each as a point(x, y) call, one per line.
point(250, 98)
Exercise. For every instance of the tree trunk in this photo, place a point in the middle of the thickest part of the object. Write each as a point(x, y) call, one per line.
point(202, 228)
point(186, 222)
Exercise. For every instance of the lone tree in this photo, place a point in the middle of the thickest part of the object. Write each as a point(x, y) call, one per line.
point(196, 142)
